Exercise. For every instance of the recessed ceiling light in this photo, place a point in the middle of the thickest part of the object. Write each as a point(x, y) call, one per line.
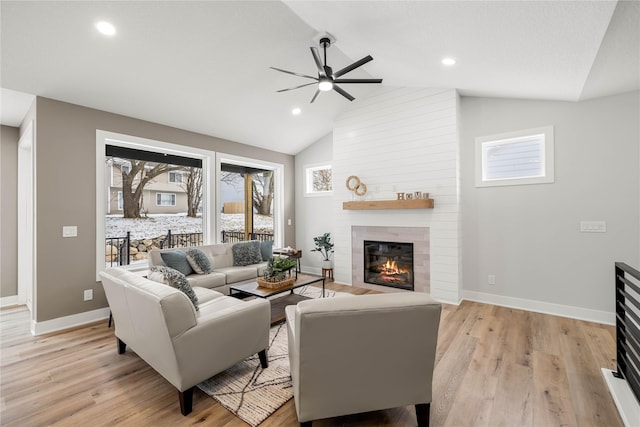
point(449, 61)
point(296, 111)
point(106, 28)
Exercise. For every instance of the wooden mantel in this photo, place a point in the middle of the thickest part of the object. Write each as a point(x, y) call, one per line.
point(388, 204)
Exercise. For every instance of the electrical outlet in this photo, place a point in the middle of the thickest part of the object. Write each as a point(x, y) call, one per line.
point(593, 226)
point(491, 279)
point(88, 294)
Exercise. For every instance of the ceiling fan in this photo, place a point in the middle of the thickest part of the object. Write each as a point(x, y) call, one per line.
point(327, 79)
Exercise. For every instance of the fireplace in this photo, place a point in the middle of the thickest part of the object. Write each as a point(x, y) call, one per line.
point(388, 264)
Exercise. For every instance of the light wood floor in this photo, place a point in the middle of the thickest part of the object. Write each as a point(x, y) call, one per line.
point(495, 367)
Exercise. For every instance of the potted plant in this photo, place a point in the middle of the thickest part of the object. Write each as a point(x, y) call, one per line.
point(325, 247)
point(277, 268)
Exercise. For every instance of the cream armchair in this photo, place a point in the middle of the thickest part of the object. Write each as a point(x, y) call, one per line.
point(183, 345)
point(360, 354)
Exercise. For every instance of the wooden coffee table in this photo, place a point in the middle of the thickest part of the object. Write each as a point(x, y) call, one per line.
point(252, 289)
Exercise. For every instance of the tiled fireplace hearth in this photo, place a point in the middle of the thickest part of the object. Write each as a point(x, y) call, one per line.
point(418, 237)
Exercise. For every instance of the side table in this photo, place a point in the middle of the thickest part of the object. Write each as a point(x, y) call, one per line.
point(327, 273)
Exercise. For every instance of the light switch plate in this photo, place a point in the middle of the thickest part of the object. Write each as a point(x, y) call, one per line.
point(593, 226)
point(69, 231)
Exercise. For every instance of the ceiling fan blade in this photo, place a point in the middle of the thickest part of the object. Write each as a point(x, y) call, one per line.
point(295, 74)
point(343, 93)
point(358, 81)
point(353, 66)
point(315, 96)
point(297, 87)
point(316, 58)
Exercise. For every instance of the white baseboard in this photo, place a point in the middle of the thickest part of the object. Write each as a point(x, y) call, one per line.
point(8, 301)
point(627, 405)
point(67, 322)
point(604, 317)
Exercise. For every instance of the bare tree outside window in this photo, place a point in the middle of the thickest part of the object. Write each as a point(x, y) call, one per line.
point(262, 185)
point(192, 184)
point(318, 180)
point(133, 182)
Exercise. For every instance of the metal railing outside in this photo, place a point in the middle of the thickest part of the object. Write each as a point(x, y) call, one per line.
point(121, 255)
point(238, 236)
point(181, 240)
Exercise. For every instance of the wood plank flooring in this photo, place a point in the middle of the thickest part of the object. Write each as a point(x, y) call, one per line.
point(495, 366)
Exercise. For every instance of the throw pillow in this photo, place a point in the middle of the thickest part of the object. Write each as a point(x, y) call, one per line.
point(198, 260)
point(266, 250)
point(175, 279)
point(246, 253)
point(177, 260)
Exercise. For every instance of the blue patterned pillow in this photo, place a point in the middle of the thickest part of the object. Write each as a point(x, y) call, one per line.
point(266, 250)
point(175, 279)
point(177, 260)
point(198, 260)
point(246, 253)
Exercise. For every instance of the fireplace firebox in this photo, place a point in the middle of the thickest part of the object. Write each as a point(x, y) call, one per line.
point(388, 264)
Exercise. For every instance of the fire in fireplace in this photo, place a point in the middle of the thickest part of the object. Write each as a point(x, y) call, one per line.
point(388, 264)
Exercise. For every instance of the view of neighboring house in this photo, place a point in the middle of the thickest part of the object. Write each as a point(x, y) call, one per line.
point(165, 194)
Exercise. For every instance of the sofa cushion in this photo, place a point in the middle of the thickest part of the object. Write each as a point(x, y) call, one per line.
point(246, 253)
point(177, 260)
point(198, 261)
point(175, 279)
point(205, 295)
point(266, 250)
point(238, 274)
point(211, 280)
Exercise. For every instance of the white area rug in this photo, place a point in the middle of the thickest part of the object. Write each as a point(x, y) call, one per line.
point(253, 393)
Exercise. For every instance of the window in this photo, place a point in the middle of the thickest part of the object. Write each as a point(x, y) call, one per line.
point(515, 158)
point(120, 201)
point(175, 177)
point(318, 180)
point(125, 168)
point(165, 199)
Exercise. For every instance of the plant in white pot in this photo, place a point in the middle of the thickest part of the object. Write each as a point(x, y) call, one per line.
point(325, 247)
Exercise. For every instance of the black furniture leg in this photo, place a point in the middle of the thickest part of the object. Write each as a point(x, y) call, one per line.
point(122, 346)
point(186, 401)
point(110, 317)
point(422, 414)
point(263, 359)
point(306, 424)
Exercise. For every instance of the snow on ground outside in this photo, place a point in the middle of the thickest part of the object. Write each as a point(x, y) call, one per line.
point(157, 225)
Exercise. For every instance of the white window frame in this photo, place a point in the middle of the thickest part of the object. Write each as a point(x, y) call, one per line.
point(547, 157)
point(104, 138)
point(175, 174)
point(308, 180)
point(160, 194)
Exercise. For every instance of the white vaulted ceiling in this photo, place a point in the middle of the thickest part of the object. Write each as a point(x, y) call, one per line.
point(203, 66)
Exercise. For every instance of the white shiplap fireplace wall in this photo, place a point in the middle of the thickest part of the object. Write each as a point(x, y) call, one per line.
point(402, 140)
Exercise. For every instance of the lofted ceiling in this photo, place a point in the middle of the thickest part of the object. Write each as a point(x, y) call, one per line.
point(203, 66)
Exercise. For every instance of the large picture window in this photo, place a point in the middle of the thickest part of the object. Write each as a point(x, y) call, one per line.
point(516, 158)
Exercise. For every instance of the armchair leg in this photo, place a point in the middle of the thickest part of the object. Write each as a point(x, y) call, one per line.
point(306, 424)
point(186, 401)
point(422, 414)
point(122, 346)
point(263, 359)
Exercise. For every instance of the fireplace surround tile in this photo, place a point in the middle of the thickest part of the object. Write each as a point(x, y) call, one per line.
point(419, 236)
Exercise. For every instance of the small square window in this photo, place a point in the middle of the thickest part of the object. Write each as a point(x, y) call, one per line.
point(165, 199)
point(175, 177)
point(516, 158)
point(318, 180)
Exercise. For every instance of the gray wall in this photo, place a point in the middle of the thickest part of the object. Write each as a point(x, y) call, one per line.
point(66, 135)
point(528, 236)
point(8, 211)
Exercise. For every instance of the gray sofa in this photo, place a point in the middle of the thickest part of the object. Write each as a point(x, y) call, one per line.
point(224, 272)
point(184, 345)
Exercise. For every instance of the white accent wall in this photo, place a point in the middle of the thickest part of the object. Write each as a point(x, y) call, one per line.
point(401, 140)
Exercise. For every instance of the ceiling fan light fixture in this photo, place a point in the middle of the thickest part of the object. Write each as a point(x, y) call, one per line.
point(325, 85)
